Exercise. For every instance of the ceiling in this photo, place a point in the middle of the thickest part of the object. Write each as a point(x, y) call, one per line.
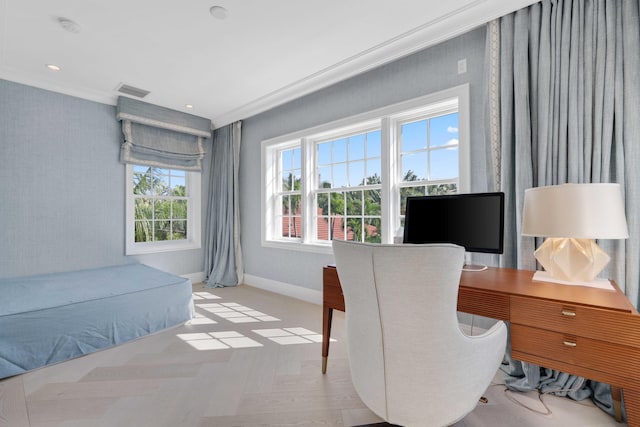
point(264, 53)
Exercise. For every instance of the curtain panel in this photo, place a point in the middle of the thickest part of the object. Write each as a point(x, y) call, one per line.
point(160, 137)
point(223, 253)
point(563, 100)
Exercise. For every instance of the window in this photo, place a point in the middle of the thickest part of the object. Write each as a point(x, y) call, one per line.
point(429, 155)
point(289, 194)
point(348, 194)
point(350, 179)
point(163, 209)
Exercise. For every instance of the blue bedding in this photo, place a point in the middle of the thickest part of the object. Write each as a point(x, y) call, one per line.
point(49, 318)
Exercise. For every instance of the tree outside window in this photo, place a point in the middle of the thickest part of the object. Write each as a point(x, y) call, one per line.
point(290, 195)
point(160, 204)
point(348, 198)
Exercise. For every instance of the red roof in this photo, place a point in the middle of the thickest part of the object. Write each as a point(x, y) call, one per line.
point(323, 227)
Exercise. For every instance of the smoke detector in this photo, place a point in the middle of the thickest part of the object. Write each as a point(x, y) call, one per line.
point(69, 25)
point(218, 12)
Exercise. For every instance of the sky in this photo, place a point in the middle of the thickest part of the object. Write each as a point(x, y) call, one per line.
point(429, 148)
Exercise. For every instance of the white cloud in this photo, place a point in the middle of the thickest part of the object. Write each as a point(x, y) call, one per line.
point(451, 129)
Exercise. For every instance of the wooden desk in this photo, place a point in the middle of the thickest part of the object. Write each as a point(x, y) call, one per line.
point(584, 331)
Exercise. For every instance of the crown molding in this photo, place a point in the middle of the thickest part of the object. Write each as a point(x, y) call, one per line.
point(457, 22)
point(19, 76)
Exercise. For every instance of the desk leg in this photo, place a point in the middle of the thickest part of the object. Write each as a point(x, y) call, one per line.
point(617, 404)
point(327, 315)
point(632, 406)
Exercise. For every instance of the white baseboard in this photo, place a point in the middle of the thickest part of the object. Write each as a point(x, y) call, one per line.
point(195, 277)
point(286, 289)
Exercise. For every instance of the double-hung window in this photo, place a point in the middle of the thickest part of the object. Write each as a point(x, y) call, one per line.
point(349, 179)
point(429, 156)
point(348, 188)
point(163, 209)
point(288, 193)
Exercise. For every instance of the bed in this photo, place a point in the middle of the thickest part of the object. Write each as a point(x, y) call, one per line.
point(54, 317)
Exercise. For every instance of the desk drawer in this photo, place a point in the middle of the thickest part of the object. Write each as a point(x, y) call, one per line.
point(575, 350)
point(600, 324)
point(482, 303)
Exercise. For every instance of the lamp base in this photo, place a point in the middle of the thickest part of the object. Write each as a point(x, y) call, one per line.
point(543, 276)
point(574, 260)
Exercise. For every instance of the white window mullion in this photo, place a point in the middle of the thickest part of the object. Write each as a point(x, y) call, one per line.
point(389, 188)
point(278, 200)
point(269, 192)
point(429, 150)
point(307, 187)
point(194, 208)
point(266, 193)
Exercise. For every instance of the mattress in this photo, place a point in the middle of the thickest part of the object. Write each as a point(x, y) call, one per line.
point(54, 317)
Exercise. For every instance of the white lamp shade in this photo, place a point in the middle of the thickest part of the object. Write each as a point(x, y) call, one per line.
point(584, 211)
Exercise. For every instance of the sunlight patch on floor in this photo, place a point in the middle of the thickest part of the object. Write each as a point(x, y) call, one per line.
point(199, 319)
point(204, 296)
point(236, 313)
point(286, 336)
point(218, 340)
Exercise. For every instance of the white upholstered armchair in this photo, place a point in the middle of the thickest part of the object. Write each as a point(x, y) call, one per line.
point(410, 362)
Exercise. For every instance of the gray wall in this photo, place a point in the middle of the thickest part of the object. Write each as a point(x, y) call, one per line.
point(420, 74)
point(62, 201)
point(62, 186)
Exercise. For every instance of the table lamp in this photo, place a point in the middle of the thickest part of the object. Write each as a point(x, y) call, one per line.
point(571, 216)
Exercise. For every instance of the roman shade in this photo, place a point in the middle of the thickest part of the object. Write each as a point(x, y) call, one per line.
point(161, 137)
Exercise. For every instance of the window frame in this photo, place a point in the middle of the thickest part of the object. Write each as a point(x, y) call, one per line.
point(280, 192)
point(388, 120)
point(194, 203)
point(426, 182)
point(312, 142)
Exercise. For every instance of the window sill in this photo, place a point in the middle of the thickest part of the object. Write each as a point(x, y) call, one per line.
point(152, 248)
point(320, 248)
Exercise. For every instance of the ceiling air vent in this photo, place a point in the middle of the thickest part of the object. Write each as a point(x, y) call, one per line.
point(133, 91)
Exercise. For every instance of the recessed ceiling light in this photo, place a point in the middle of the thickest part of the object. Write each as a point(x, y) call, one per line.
point(189, 106)
point(218, 12)
point(53, 67)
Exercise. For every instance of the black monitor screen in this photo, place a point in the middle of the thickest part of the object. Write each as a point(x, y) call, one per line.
point(474, 221)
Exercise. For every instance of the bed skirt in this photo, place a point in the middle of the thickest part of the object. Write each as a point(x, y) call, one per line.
point(54, 317)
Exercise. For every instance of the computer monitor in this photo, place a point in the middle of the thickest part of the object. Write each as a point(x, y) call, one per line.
point(474, 221)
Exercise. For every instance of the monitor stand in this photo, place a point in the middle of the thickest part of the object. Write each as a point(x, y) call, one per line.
point(469, 266)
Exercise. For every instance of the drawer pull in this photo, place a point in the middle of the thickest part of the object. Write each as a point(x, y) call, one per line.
point(569, 343)
point(568, 313)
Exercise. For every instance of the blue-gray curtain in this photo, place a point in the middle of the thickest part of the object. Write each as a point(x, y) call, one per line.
point(223, 254)
point(563, 106)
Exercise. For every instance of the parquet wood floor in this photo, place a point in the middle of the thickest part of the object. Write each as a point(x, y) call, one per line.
point(251, 358)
